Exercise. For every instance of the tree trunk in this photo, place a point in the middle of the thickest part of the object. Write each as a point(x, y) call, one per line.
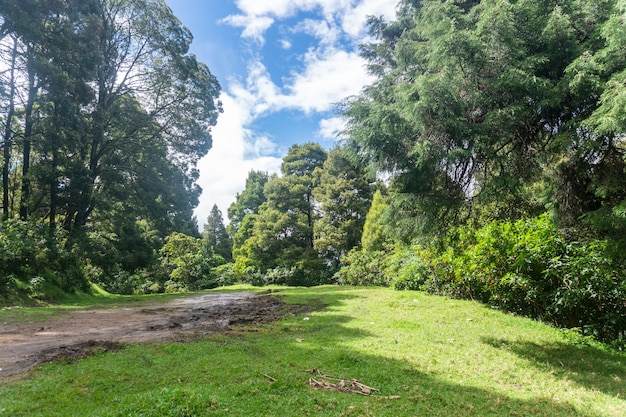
point(28, 132)
point(8, 135)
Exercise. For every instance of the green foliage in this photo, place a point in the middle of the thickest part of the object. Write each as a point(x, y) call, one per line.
point(374, 234)
point(105, 116)
point(409, 269)
point(363, 268)
point(184, 264)
point(215, 237)
point(475, 103)
point(32, 259)
point(225, 274)
point(281, 235)
point(528, 267)
point(248, 201)
point(344, 194)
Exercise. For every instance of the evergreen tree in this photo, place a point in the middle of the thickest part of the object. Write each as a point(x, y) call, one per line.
point(249, 200)
point(374, 235)
point(474, 109)
point(343, 195)
point(216, 238)
point(282, 233)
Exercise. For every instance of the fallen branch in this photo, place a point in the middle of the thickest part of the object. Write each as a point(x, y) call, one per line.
point(353, 386)
point(269, 377)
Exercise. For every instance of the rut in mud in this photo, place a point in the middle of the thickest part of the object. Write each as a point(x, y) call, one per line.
point(81, 333)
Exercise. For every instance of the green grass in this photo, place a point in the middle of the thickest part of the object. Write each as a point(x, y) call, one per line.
point(442, 357)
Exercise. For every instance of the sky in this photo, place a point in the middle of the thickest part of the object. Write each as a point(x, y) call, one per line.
point(283, 65)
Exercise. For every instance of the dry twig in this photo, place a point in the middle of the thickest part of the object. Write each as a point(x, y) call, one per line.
point(269, 377)
point(342, 385)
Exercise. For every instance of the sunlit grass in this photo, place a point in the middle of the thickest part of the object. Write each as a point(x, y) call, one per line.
point(441, 357)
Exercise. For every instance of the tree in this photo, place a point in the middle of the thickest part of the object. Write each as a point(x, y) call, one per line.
point(249, 200)
point(143, 59)
point(473, 101)
point(282, 231)
point(374, 235)
point(343, 195)
point(104, 116)
point(215, 237)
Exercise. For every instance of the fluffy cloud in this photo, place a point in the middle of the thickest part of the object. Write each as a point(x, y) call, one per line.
point(327, 33)
point(331, 128)
point(328, 77)
point(254, 26)
point(236, 151)
point(257, 16)
point(354, 19)
point(287, 8)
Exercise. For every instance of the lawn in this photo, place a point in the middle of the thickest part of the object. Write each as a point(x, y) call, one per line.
point(426, 356)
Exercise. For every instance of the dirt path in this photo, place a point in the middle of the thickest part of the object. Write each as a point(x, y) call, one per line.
point(78, 333)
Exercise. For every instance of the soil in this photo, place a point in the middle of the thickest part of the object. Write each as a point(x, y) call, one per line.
point(81, 333)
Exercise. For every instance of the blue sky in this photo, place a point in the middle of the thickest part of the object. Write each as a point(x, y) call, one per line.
point(282, 65)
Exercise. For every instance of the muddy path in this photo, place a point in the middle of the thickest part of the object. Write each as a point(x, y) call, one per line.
point(79, 333)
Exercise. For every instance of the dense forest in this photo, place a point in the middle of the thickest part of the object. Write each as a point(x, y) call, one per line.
point(486, 161)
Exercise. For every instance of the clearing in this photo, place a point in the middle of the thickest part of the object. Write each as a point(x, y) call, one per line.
point(78, 333)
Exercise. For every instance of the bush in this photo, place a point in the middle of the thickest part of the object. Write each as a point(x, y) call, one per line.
point(251, 275)
point(123, 282)
point(30, 251)
point(409, 269)
point(363, 268)
point(528, 267)
point(225, 274)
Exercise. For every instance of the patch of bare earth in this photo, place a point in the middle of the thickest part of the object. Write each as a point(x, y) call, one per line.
point(81, 333)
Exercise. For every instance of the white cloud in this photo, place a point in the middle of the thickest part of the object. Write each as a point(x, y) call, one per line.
point(257, 16)
point(254, 26)
point(354, 19)
point(328, 77)
point(285, 44)
point(287, 8)
point(327, 33)
point(261, 146)
point(331, 128)
point(223, 171)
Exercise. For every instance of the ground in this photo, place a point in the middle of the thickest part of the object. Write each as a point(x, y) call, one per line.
point(79, 333)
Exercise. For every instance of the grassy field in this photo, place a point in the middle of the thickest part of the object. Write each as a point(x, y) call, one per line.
point(427, 356)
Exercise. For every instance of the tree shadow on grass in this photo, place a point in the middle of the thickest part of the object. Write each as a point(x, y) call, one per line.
point(401, 389)
point(264, 374)
point(588, 366)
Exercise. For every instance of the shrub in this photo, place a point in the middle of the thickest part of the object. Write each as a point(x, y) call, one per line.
point(225, 274)
point(410, 268)
point(30, 250)
point(528, 267)
point(363, 268)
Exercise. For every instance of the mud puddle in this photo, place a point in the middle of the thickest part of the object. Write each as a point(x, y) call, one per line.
point(81, 333)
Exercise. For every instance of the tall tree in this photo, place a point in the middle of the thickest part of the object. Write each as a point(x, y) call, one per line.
point(374, 235)
point(110, 116)
point(343, 194)
point(249, 200)
point(473, 100)
point(282, 233)
point(215, 236)
point(143, 59)
point(7, 139)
